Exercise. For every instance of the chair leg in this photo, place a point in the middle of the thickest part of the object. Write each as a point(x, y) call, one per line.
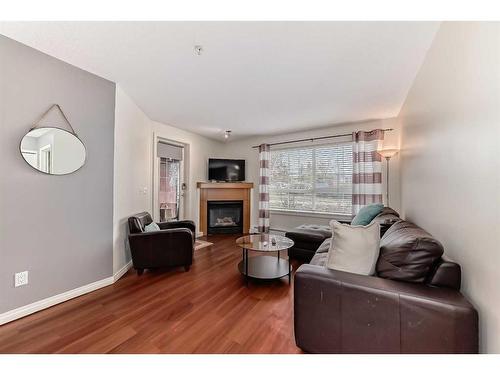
point(186, 268)
point(139, 271)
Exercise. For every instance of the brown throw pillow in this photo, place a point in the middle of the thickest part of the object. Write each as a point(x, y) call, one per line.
point(407, 253)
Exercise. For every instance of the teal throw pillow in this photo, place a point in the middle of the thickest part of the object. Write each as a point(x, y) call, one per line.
point(367, 214)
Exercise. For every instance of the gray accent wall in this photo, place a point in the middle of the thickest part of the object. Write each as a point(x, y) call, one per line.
point(59, 228)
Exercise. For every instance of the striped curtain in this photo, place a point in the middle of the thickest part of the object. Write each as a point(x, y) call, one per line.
point(264, 159)
point(367, 169)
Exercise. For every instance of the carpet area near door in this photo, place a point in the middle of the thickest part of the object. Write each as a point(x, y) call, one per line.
point(200, 244)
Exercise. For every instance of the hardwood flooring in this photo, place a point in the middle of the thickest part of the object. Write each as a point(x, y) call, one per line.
point(206, 310)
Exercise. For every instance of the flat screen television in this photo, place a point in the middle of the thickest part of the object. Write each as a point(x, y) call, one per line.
point(226, 170)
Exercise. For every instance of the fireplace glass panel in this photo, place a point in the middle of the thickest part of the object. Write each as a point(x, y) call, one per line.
point(225, 217)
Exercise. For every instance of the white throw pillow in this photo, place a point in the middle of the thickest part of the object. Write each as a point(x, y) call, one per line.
point(354, 248)
point(153, 227)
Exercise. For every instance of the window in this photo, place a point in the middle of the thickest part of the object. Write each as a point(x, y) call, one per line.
point(314, 179)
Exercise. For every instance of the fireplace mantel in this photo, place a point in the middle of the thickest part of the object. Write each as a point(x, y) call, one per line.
point(224, 185)
point(224, 191)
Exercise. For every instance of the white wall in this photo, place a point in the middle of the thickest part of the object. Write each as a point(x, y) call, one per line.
point(133, 181)
point(451, 160)
point(243, 150)
point(132, 171)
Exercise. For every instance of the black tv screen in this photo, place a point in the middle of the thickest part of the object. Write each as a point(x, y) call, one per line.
point(226, 170)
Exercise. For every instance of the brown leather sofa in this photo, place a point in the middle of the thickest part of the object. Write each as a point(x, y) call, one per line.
point(171, 246)
point(412, 305)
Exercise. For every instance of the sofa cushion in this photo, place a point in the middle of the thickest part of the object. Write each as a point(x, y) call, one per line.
point(386, 218)
point(407, 253)
point(319, 259)
point(324, 247)
point(388, 215)
point(354, 248)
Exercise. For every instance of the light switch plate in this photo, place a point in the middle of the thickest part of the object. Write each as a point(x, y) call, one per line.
point(21, 278)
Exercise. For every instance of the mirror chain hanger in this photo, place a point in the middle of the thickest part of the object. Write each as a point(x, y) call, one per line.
point(37, 123)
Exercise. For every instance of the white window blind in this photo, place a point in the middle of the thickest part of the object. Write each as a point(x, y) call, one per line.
point(315, 179)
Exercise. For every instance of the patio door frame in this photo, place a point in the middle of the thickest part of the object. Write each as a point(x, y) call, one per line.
point(156, 177)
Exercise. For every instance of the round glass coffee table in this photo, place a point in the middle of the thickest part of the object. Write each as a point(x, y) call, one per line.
point(265, 267)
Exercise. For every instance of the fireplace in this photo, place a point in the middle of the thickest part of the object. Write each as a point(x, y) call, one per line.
point(224, 217)
point(221, 193)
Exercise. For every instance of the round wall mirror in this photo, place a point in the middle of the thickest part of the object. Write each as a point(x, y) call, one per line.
point(53, 150)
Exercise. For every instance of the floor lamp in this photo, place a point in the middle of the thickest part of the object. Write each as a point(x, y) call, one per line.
point(388, 154)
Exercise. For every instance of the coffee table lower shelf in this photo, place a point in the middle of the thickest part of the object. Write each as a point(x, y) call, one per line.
point(265, 267)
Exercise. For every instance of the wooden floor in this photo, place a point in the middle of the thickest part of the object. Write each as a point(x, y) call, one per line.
point(206, 310)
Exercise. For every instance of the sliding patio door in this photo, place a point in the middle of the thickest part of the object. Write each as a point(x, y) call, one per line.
point(169, 190)
point(169, 181)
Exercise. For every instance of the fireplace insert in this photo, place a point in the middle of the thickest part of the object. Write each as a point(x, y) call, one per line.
point(224, 217)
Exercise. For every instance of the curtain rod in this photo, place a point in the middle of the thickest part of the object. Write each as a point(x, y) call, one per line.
point(316, 138)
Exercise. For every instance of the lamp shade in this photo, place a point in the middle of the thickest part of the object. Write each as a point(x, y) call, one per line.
point(388, 153)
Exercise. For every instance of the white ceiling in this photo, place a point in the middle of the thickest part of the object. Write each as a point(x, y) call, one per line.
point(254, 78)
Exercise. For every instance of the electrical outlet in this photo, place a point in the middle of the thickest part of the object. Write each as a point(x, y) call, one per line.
point(20, 278)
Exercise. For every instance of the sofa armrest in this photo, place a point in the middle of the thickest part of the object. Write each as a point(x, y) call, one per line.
point(341, 312)
point(446, 274)
point(189, 224)
point(161, 248)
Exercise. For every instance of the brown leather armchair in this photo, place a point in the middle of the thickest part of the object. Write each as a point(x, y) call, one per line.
point(171, 246)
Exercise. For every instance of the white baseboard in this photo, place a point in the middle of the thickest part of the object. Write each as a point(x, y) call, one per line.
point(23, 311)
point(122, 271)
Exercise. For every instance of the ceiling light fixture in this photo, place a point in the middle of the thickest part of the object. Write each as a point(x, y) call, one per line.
point(227, 134)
